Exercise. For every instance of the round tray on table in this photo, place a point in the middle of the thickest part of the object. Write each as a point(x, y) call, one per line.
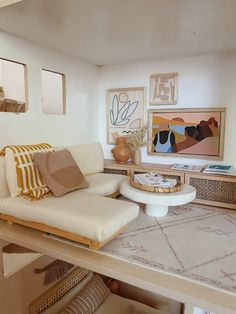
point(156, 189)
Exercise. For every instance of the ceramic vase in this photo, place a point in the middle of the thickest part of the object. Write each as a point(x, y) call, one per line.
point(121, 152)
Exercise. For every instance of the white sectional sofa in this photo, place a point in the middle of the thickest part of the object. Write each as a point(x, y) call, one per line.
point(87, 216)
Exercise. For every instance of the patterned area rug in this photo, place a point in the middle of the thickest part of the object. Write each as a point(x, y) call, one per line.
point(193, 241)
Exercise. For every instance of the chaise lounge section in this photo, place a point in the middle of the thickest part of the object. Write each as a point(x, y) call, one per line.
point(86, 216)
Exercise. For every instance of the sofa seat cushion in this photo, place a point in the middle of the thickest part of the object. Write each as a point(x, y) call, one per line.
point(116, 305)
point(82, 213)
point(104, 183)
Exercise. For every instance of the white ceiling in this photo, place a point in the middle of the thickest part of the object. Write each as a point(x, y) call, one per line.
point(107, 32)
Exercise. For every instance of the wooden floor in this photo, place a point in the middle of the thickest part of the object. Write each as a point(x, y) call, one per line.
point(179, 289)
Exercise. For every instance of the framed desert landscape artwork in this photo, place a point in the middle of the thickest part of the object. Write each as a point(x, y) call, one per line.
point(125, 112)
point(197, 133)
point(164, 89)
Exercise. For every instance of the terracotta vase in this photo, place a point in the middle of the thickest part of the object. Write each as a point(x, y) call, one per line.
point(121, 152)
point(137, 156)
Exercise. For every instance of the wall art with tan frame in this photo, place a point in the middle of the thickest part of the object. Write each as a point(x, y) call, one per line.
point(197, 133)
point(125, 111)
point(164, 89)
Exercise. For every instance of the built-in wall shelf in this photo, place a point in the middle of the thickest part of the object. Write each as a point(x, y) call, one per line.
point(212, 189)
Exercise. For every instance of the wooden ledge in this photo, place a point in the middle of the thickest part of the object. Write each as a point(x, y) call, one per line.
point(166, 284)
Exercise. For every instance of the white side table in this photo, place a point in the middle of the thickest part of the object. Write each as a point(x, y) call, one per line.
point(156, 204)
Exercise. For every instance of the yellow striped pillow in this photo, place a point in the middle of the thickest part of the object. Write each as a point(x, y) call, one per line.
point(25, 180)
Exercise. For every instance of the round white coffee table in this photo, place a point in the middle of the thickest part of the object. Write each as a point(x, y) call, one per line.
point(156, 204)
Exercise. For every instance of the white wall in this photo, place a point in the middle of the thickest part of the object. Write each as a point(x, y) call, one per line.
point(52, 92)
point(23, 287)
point(204, 81)
point(79, 125)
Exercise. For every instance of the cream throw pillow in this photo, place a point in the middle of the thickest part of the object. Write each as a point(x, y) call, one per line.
point(22, 176)
point(89, 299)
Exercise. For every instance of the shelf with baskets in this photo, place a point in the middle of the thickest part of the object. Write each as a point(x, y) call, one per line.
point(130, 169)
point(215, 190)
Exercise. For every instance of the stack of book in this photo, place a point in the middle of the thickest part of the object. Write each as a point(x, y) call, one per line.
point(185, 167)
point(220, 169)
point(154, 179)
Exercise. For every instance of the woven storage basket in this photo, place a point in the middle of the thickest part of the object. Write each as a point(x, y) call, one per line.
point(56, 292)
point(156, 189)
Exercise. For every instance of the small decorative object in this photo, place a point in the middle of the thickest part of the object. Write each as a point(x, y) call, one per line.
point(164, 89)
point(137, 156)
point(154, 182)
point(186, 167)
point(220, 169)
point(1, 92)
point(125, 111)
point(156, 189)
point(135, 141)
point(197, 133)
point(113, 285)
point(121, 152)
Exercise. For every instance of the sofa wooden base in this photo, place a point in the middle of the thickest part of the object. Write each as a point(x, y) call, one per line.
point(114, 195)
point(63, 234)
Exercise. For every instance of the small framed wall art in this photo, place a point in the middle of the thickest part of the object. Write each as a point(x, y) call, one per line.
point(197, 133)
point(164, 89)
point(125, 111)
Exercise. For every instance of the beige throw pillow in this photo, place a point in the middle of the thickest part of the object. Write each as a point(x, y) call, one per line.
point(89, 299)
point(60, 171)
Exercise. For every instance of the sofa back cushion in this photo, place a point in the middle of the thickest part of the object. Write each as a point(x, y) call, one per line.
point(89, 157)
point(4, 190)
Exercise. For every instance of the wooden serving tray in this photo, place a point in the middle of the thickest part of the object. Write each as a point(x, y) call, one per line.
point(156, 189)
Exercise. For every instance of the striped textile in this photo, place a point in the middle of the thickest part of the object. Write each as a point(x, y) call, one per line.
point(30, 182)
point(89, 299)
